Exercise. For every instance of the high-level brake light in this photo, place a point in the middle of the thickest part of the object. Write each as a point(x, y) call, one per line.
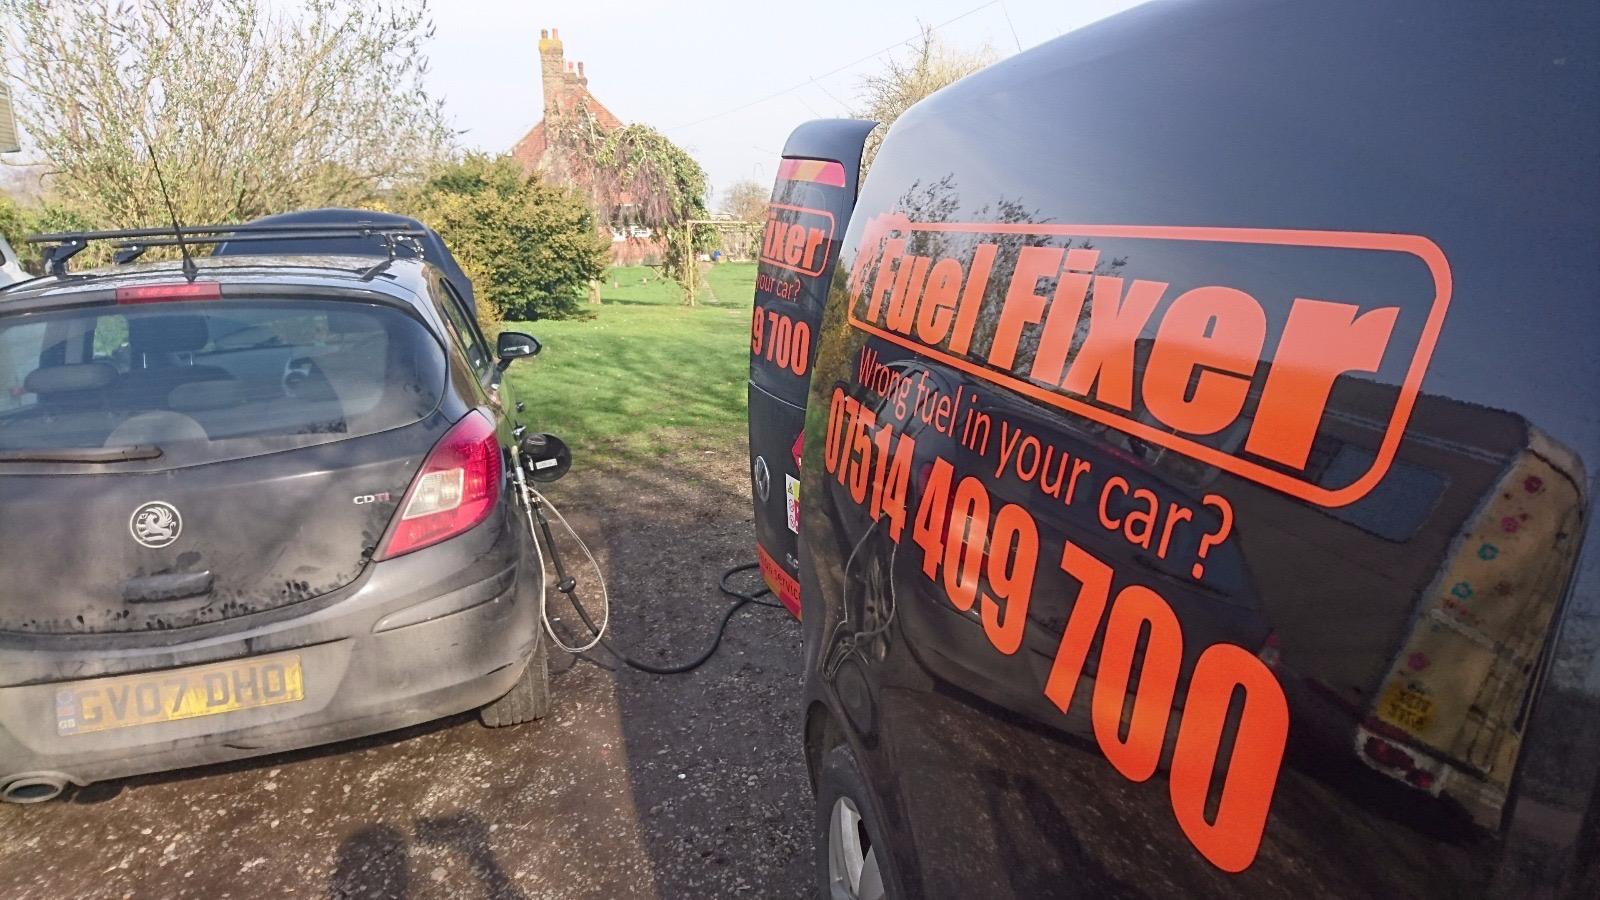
point(168, 293)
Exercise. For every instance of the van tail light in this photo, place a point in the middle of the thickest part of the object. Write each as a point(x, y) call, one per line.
point(457, 488)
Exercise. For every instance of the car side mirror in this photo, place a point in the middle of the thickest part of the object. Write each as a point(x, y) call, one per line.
point(514, 345)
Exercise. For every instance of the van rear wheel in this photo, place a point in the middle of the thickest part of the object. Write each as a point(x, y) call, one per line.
point(528, 699)
point(853, 862)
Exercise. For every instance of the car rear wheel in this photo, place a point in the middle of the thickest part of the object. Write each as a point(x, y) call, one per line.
point(852, 859)
point(528, 700)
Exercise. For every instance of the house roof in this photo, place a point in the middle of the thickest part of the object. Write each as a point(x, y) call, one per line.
point(530, 150)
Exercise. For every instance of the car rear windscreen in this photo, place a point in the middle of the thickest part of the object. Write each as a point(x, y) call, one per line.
point(213, 380)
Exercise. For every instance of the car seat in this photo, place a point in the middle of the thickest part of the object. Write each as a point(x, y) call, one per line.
point(157, 343)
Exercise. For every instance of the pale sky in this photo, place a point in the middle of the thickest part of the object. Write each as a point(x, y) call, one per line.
point(687, 69)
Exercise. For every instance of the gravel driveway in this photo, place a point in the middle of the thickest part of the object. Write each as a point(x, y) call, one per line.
point(635, 786)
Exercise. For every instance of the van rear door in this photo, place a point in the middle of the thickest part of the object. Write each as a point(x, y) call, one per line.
point(811, 204)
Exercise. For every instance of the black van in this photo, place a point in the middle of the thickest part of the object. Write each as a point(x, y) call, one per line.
point(1196, 463)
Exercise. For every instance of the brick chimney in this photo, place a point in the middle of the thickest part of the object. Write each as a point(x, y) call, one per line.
point(551, 73)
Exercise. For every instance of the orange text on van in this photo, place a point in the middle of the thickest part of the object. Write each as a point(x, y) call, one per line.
point(1202, 363)
point(797, 239)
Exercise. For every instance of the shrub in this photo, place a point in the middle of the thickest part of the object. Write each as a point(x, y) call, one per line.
point(530, 249)
point(17, 221)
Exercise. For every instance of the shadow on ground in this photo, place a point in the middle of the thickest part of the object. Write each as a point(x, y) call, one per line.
point(635, 786)
point(719, 781)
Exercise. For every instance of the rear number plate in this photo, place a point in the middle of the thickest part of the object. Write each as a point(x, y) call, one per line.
point(107, 703)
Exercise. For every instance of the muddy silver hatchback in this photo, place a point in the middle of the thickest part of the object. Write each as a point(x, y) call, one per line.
point(257, 510)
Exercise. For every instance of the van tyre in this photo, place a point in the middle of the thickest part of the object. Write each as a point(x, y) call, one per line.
point(853, 862)
point(528, 699)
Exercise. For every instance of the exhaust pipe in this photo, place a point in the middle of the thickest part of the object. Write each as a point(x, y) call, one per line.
point(33, 787)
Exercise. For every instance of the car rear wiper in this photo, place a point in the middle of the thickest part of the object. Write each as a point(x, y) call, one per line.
point(83, 454)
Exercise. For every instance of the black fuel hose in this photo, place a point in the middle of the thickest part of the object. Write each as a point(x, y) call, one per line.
point(741, 598)
point(568, 585)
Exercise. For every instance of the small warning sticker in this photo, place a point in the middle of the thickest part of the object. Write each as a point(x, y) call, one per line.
point(791, 493)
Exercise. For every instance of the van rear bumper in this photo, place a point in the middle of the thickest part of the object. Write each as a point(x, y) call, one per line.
point(437, 632)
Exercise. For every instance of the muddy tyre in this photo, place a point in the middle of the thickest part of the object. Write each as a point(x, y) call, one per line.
point(528, 699)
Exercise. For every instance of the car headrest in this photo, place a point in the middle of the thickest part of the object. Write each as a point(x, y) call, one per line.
point(167, 334)
point(196, 396)
point(91, 376)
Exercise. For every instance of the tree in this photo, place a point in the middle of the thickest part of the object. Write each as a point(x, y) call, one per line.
point(636, 176)
point(251, 110)
point(531, 249)
point(932, 64)
point(747, 201)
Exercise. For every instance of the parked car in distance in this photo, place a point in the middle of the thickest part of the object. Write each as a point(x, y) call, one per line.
point(263, 506)
point(1196, 465)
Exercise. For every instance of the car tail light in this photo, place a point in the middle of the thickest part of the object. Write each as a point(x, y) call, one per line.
point(167, 293)
point(456, 489)
point(1384, 753)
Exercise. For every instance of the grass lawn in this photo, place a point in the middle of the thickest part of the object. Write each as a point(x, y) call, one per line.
point(646, 376)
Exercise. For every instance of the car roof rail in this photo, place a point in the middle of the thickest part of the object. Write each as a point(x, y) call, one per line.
point(130, 243)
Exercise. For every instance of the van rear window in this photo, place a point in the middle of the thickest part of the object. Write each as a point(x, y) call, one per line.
point(213, 380)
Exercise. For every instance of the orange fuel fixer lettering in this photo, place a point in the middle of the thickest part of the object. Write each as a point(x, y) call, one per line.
point(1211, 349)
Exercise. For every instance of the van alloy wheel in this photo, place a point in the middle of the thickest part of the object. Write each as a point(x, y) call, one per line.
point(853, 872)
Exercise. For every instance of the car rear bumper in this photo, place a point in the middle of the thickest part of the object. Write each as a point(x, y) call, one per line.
point(440, 631)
